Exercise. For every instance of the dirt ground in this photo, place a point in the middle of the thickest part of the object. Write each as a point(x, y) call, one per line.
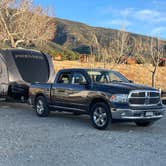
point(63, 139)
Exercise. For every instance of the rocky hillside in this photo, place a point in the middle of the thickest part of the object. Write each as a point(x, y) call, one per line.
point(85, 39)
point(74, 38)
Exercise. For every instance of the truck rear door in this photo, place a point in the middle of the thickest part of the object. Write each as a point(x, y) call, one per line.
point(60, 90)
point(70, 92)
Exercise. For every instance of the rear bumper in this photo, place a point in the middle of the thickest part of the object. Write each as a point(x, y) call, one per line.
point(137, 115)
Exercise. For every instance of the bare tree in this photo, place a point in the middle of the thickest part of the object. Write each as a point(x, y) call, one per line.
point(23, 22)
point(122, 40)
point(157, 53)
point(119, 47)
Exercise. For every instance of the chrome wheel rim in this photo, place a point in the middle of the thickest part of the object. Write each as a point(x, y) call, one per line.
point(100, 116)
point(40, 107)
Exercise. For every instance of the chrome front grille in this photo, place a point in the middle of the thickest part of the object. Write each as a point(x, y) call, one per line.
point(144, 98)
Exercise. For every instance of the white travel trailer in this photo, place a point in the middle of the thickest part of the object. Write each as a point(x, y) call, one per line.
point(21, 67)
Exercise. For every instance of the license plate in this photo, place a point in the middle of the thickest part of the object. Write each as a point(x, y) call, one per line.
point(149, 114)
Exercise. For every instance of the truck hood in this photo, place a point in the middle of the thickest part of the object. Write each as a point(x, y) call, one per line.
point(122, 87)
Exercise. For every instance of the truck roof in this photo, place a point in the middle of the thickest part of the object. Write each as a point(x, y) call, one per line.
point(84, 69)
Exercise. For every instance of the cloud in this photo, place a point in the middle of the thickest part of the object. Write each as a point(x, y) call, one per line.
point(126, 12)
point(149, 21)
point(159, 4)
point(158, 30)
point(150, 15)
point(111, 11)
point(146, 14)
point(118, 22)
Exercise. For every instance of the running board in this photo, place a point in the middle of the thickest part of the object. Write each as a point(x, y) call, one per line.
point(67, 108)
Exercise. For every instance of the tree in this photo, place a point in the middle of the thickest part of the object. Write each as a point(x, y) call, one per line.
point(157, 53)
point(118, 46)
point(121, 46)
point(22, 22)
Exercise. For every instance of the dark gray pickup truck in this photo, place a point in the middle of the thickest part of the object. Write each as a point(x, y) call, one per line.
point(105, 95)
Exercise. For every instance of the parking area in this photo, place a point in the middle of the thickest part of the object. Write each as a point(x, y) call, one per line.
point(66, 139)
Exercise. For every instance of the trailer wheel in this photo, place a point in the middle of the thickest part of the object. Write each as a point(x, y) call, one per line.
point(41, 107)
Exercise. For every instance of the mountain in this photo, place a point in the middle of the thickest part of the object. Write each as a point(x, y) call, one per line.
point(85, 39)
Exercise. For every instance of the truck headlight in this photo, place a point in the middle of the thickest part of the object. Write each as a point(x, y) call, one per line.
point(119, 98)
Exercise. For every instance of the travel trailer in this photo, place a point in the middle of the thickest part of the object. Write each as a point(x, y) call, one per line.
point(21, 67)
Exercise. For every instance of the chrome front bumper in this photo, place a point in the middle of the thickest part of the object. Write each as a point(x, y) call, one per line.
point(129, 114)
point(142, 117)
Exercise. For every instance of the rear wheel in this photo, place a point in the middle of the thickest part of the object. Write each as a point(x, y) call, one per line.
point(41, 107)
point(100, 115)
point(144, 124)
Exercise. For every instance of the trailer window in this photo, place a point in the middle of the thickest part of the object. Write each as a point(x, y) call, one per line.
point(33, 66)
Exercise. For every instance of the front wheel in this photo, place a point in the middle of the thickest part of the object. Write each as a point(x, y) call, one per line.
point(144, 124)
point(41, 107)
point(100, 115)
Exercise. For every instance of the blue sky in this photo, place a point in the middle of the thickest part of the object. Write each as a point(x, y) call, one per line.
point(146, 17)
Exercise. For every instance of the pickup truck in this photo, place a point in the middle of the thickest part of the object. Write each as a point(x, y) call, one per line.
point(105, 95)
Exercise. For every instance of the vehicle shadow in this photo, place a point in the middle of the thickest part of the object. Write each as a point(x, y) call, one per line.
point(67, 116)
point(84, 121)
point(79, 121)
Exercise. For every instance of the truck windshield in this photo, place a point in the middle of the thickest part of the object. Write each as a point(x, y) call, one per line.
point(106, 76)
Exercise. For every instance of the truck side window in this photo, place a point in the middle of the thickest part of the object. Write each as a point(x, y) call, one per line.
point(113, 77)
point(65, 78)
point(78, 78)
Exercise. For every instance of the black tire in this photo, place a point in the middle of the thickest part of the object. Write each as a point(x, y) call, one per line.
point(144, 124)
point(41, 107)
point(100, 115)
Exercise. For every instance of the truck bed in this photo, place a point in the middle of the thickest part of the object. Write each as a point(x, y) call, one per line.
point(40, 88)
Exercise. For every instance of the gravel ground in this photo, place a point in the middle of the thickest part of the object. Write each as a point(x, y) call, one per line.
point(65, 139)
